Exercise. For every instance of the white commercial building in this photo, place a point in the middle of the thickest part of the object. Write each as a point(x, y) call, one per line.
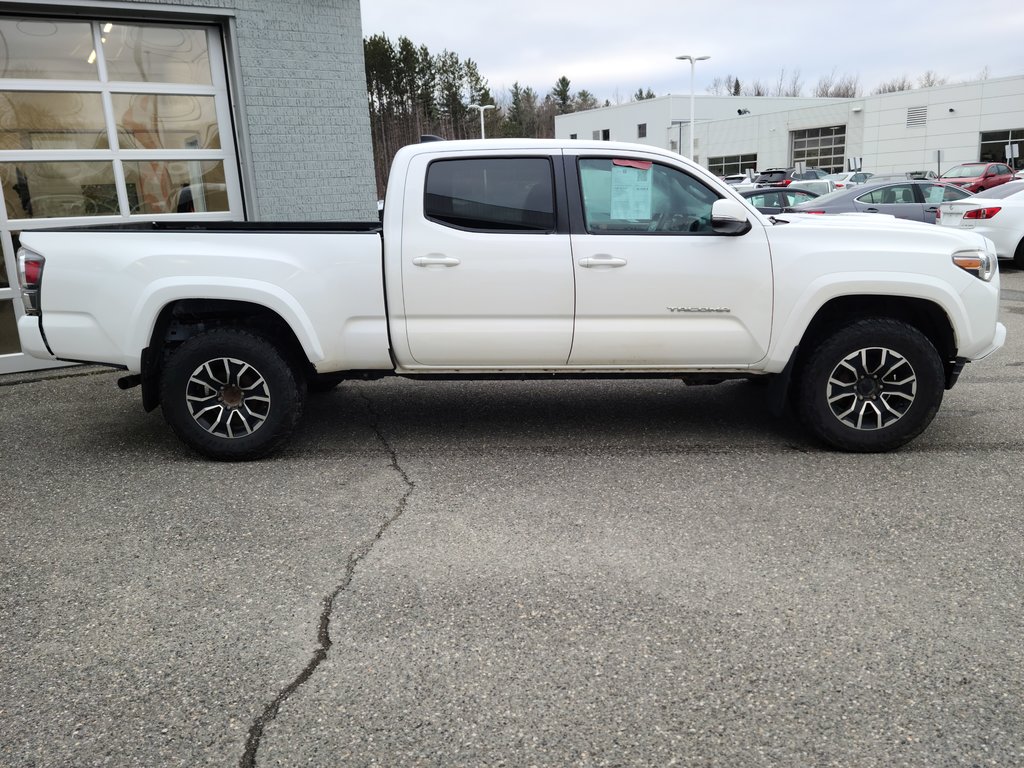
point(921, 129)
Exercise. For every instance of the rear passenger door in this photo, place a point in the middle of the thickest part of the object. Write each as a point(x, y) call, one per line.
point(487, 273)
point(895, 199)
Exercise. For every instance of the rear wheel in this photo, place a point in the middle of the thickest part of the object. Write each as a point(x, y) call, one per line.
point(872, 386)
point(1018, 255)
point(231, 395)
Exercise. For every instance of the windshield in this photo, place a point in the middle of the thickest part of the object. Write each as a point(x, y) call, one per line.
point(964, 171)
point(1009, 189)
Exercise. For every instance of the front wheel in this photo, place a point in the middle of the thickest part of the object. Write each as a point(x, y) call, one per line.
point(231, 395)
point(872, 386)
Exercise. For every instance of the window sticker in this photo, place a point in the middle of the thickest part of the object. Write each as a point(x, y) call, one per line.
point(631, 189)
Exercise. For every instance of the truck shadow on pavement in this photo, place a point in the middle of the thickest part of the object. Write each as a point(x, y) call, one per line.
point(731, 416)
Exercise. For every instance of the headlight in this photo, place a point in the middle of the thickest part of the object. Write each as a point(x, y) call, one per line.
point(979, 263)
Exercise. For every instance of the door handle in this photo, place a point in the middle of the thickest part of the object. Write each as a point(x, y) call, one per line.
point(602, 261)
point(436, 261)
point(870, 210)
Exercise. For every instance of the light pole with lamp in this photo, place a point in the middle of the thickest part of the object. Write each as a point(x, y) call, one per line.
point(693, 66)
point(481, 108)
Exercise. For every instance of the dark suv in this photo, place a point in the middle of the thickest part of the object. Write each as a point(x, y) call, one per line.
point(783, 177)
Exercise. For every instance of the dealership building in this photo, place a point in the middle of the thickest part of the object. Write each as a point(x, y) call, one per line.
point(114, 112)
point(922, 129)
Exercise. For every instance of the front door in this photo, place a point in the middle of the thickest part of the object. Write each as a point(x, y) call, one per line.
point(655, 286)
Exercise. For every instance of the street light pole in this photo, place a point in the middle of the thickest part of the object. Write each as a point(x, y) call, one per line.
point(693, 65)
point(481, 108)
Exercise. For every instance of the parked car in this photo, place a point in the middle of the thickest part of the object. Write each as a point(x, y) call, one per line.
point(996, 213)
point(734, 179)
point(1019, 174)
point(774, 199)
point(783, 177)
point(905, 199)
point(849, 179)
point(975, 177)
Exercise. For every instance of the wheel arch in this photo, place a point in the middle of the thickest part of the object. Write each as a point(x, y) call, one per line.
point(182, 319)
point(925, 315)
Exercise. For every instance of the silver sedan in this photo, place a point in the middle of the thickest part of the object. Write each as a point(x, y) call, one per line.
point(917, 200)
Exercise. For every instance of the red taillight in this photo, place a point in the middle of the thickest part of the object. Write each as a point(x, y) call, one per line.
point(982, 213)
point(786, 182)
point(32, 271)
point(821, 212)
point(938, 215)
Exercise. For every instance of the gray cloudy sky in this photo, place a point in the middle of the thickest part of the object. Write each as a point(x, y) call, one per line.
point(613, 48)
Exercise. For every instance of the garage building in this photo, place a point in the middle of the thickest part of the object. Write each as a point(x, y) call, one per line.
point(142, 111)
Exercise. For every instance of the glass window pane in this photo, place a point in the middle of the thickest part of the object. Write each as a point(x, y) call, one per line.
point(176, 186)
point(627, 196)
point(492, 195)
point(155, 54)
point(8, 329)
point(54, 50)
point(151, 121)
point(51, 120)
point(35, 190)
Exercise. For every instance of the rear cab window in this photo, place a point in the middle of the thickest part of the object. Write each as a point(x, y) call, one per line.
point(506, 194)
point(628, 196)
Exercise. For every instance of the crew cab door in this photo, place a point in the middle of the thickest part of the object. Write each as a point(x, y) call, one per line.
point(487, 276)
point(655, 285)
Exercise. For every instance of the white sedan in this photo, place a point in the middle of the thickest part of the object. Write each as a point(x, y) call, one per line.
point(996, 213)
point(849, 178)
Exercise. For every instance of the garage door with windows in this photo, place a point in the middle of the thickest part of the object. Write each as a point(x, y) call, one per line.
point(105, 122)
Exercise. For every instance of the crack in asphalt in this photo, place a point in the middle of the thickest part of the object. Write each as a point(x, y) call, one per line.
point(323, 634)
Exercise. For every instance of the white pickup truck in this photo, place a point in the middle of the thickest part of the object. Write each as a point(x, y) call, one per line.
point(522, 258)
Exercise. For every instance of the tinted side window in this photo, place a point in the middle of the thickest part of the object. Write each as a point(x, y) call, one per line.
point(629, 196)
point(510, 194)
point(896, 193)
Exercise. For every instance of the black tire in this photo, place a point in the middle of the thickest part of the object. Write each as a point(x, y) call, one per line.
point(231, 395)
point(871, 386)
point(1018, 255)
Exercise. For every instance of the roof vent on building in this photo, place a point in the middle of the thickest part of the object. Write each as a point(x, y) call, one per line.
point(916, 116)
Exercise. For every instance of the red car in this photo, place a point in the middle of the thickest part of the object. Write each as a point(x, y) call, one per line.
point(974, 177)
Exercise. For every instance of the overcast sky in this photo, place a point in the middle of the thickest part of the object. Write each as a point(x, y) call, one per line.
point(613, 48)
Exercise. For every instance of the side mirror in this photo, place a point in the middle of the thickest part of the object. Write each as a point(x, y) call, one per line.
point(730, 217)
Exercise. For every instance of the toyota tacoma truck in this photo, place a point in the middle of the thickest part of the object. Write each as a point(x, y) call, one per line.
point(522, 258)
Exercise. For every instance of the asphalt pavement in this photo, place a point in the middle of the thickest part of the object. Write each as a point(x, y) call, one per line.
point(586, 573)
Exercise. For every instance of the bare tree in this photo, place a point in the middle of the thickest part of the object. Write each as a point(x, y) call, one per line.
point(930, 78)
point(831, 85)
point(792, 88)
point(901, 83)
point(723, 86)
point(984, 74)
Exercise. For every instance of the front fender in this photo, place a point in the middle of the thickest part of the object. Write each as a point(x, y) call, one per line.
point(803, 306)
